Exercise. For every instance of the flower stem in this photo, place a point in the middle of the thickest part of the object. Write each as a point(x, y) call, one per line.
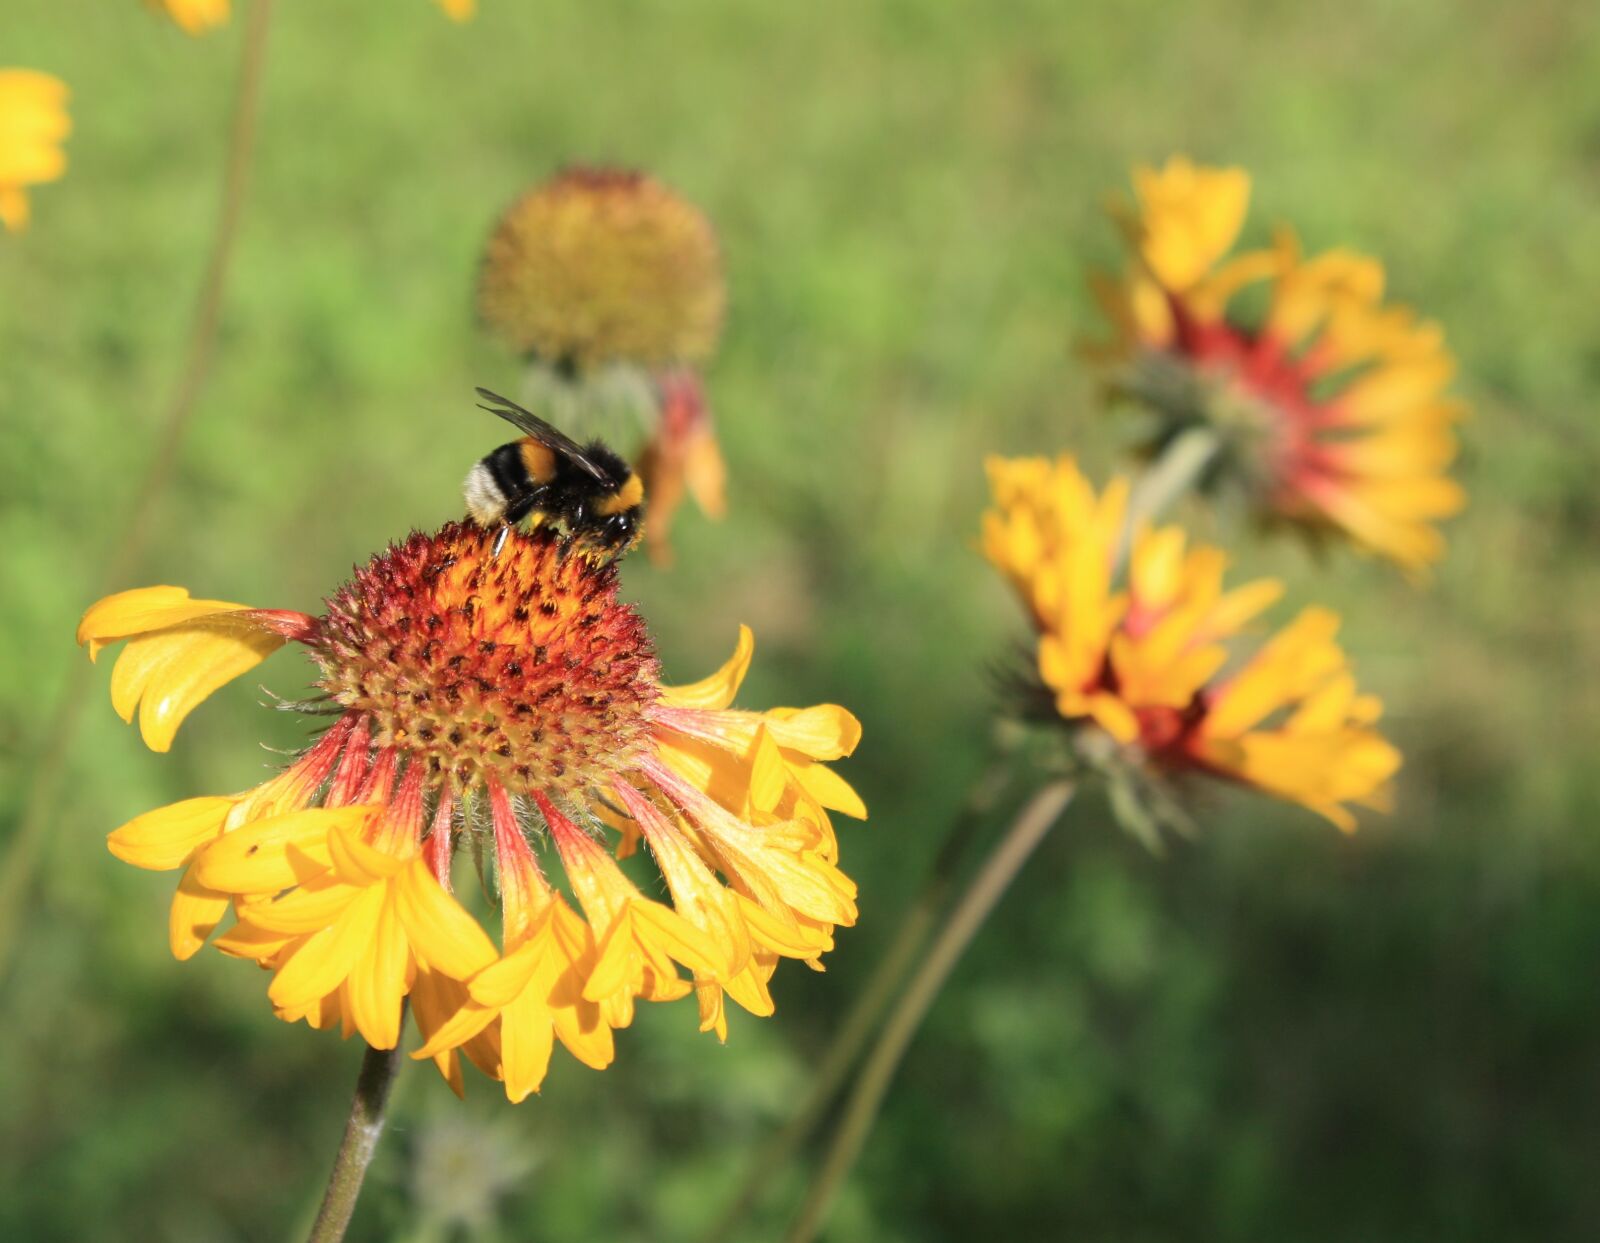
point(873, 999)
point(1176, 470)
point(1035, 820)
point(22, 851)
point(378, 1070)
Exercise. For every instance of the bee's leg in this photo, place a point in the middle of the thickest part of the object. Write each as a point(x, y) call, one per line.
point(500, 540)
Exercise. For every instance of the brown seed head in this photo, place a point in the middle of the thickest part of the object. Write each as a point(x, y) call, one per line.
point(604, 265)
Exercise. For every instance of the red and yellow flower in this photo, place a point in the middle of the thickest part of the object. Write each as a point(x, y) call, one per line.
point(1146, 656)
point(509, 701)
point(1332, 405)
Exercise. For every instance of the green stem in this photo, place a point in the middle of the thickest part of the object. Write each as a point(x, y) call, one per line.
point(22, 851)
point(1177, 470)
point(378, 1070)
point(864, 1015)
point(855, 1123)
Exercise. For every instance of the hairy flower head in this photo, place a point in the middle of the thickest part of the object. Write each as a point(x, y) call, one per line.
point(509, 702)
point(33, 124)
point(1332, 404)
point(603, 265)
point(1147, 656)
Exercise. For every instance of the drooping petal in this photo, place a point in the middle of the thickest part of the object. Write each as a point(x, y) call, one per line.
point(178, 652)
point(165, 838)
point(718, 690)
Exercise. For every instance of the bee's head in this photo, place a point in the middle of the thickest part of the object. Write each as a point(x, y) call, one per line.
point(617, 533)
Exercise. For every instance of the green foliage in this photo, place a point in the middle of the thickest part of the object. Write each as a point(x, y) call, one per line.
point(1273, 1032)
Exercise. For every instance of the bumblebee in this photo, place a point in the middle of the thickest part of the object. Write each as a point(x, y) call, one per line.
point(586, 493)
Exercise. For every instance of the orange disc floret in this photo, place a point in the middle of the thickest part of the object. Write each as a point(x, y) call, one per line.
point(522, 665)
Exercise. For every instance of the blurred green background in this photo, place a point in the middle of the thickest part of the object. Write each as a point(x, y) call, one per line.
point(1273, 1033)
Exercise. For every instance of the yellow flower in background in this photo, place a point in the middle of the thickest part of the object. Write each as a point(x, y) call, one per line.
point(1146, 655)
point(194, 17)
point(33, 125)
point(512, 703)
point(610, 284)
point(1332, 403)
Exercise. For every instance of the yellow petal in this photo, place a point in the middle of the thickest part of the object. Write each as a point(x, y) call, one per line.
point(527, 1039)
point(260, 944)
point(377, 981)
point(195, 913)
point(271, 854)
point(789, 939)
point(166, 837)
point(681, 940)
point(713, 1015)
point(1190, 216)
point(828, 788)
point(142, 610)
point(307, 908)
point(769, 776)
point(718, 690)
point(749, 990)
point(706, 474)
point(323, 962)
point(166, 675)
point(434, 1000)
point(445, 936)
point(456, 1030)
point(355, 862)
point(497, 985)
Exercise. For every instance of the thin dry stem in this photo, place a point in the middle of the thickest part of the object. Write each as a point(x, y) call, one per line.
point(864, 1015)
point(855, 1123)
point(22, 851)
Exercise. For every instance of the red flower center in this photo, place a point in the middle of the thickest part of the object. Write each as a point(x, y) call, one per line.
point(522, 666)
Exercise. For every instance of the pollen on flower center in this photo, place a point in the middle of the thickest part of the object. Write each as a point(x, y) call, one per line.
point(523, 667)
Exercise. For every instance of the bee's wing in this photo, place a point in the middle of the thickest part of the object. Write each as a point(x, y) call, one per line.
point(532, 425)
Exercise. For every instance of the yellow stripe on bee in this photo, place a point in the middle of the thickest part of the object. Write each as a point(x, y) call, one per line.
point(539, 460)
point(629, 496)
